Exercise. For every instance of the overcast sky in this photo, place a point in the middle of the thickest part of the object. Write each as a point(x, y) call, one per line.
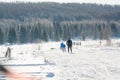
point(112, 2)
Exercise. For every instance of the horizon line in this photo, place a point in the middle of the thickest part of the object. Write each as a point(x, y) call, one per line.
point(57, 2)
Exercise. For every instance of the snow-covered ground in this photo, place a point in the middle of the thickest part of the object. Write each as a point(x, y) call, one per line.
point(90, 61)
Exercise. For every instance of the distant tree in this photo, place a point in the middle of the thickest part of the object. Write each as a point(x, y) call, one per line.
point(107, 33)
point(44, 36)
point(23, 35)
point(100, 31)
point(35, 34)
point(12, 38)
point(114, 30)
point(94, 31)
point(57, 30)
point(83, 37)
point(1, 37)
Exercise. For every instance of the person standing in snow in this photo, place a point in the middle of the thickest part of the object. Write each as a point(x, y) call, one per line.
point(63, 47)
point(69, 45)
point(8, 52)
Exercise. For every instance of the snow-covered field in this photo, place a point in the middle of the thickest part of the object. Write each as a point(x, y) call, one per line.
point(90, 61)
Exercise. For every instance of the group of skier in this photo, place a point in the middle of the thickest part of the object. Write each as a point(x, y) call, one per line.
point(69, 45)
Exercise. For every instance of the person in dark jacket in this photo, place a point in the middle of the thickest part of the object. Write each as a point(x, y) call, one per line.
point(69, 45)
point(8, 52)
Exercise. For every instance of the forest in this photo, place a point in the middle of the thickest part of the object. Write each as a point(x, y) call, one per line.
point(47, 21)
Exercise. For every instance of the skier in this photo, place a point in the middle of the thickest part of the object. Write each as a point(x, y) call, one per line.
point(8, 52)
point(69, 44)
point(63, 47)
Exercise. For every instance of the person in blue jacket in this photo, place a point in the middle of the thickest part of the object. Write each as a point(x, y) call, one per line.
point(63, 47)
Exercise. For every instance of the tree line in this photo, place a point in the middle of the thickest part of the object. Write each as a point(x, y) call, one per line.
point(45, 30)
point(33, 22)
point(59, 11)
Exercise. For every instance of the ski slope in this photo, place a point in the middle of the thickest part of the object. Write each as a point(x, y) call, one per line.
point(90, 61)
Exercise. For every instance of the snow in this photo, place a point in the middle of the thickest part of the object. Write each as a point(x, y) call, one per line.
point(90, 61)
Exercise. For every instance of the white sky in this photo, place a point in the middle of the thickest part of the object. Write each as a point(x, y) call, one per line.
point(112, 2)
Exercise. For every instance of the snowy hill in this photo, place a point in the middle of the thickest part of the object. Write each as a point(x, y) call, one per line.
point(89, 61)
